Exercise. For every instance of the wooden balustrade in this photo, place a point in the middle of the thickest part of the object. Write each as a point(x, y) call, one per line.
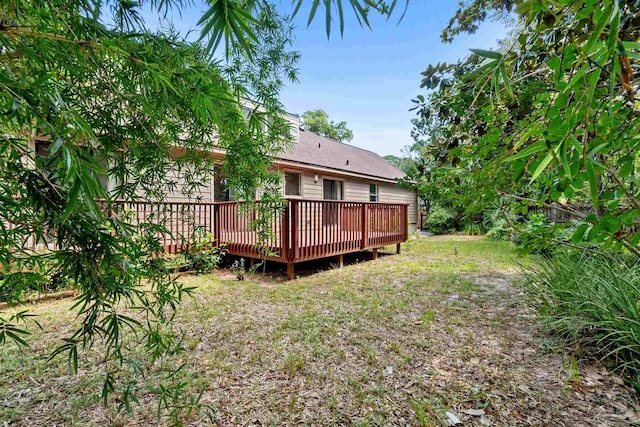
point(297, 230)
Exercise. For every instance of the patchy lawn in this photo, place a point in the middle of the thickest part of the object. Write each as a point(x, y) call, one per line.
point(422, 339)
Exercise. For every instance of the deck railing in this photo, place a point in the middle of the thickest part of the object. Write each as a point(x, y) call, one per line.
point(299, 230)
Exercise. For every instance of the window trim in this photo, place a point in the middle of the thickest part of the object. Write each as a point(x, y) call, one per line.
point(376, 194)
point(343, 189)
point(300, 183)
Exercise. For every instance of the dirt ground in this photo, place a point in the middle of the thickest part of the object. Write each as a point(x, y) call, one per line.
point(426, 338)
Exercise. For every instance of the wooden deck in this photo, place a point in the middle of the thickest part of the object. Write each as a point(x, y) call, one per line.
point(300, 230)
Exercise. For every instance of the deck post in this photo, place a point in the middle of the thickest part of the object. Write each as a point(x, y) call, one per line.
point(295, 228)
point(290, 271)
point(365, 226)
point(375, 253)
point(398, 251)
point(216, 224)
point(405, 222)
point(284, 234)
point(340, 261)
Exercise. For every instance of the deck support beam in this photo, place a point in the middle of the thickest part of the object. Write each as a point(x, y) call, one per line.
point(290, 271)
point(398, 250)
point(340, 261)
point(375, 253)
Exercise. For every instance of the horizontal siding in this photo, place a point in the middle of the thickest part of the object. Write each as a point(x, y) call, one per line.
point(203, 193)
point(311, 190)
point(357, 190)
point(390, 193)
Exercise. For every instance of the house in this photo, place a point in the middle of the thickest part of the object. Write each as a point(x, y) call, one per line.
point(340, 199)
point(319, 168)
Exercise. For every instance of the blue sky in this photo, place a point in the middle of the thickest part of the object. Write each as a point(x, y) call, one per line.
point(368, 77)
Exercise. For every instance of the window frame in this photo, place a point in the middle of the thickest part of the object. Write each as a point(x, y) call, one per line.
point(300, 181)
point(342, 188)
point(375, 194)
point(226, 191)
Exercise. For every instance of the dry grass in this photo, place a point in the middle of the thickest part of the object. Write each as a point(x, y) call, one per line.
point(402, 340)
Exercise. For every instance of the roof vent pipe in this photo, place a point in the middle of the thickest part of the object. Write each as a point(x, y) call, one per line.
point(347, 162)
point(318, 145)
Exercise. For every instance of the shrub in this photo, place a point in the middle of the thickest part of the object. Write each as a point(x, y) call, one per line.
point(440, 221)
point(591, 301)
point(544, 238)
point(500, 230)
point(15, 285)
point(537, 236)
point(204, 255)
point(499, 224)
point(474, 229)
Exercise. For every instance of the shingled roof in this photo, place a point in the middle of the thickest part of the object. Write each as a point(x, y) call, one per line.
point(316, 150)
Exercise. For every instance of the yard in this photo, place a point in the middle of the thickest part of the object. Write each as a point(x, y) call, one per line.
point(423, 338)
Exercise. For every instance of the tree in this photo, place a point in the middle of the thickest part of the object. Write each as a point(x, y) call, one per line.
point(405, 164)
point(118, 100)
point(561, 98)
point(317, 121)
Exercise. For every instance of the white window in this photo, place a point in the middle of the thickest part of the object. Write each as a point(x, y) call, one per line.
point(373, 193)
point(292, 184)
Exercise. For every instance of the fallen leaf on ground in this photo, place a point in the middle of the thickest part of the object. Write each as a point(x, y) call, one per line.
point(474, 412)
point(453, 418)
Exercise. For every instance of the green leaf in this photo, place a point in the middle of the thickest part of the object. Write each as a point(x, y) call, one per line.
point(312, 12)
point(593, 182)
point(72, 200)
point(524, 7)
point(578, 235)
point(527, 152)
point(626, 166)
point(505, 79)
point(542, 166)
point(554, 63)
point(614, 27)
point(487, 53)
point(628, 45)
point(599, 28)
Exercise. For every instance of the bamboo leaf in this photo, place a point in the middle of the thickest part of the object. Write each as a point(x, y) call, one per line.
point(527, 152)
point(487, 53)
point(542, 166)
point(505, 79)
point(593, 182)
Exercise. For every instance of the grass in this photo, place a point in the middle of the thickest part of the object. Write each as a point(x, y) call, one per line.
point(592, 302)
point(397, 341)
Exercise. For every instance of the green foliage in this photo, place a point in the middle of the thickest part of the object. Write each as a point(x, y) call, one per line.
point(538, 236)
point(405, 164)
point(500, 230)
point(591, 302)
point(238, 268)
point(234, 21)
point(552, 116)
point(204, 255)
point(440, 221)
point(120, 102)
point(317, 121)
point(474, 229)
